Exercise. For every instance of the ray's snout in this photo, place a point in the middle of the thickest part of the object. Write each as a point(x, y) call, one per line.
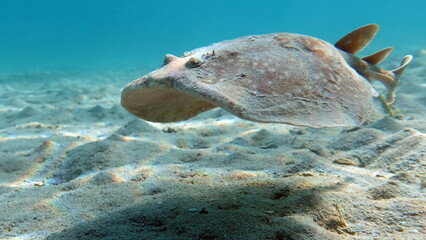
point(154, 97)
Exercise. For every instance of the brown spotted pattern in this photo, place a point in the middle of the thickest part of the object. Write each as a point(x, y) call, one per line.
point(280, 77)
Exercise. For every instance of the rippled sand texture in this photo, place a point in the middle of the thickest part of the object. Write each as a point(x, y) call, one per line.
point(75, 165)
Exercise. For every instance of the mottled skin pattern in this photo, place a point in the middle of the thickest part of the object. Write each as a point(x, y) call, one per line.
point(280, 77)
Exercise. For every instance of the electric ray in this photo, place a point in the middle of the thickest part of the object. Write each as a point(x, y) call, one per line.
point(278, 77)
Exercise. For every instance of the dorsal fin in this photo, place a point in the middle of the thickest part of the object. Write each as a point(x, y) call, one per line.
point(378, 57)
point(357, 39)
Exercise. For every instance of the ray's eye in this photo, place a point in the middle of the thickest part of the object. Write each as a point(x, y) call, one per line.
point(209, 55)
point(193, 63)
point(168, 58)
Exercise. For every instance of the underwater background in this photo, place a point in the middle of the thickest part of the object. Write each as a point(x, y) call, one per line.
point(74, 164)
point(80, 35)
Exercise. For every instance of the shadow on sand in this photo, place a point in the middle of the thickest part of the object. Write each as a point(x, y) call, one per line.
point(277, 210)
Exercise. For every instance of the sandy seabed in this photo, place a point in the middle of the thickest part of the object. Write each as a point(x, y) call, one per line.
point(75, 165)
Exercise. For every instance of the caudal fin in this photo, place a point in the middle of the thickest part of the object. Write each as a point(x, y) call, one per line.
point(398, 72)
point(391, 83)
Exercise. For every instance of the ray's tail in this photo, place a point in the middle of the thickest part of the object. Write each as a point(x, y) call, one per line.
point(389, 79)
point(355, 41)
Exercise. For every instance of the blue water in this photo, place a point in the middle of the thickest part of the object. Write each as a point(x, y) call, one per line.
point(121, 35)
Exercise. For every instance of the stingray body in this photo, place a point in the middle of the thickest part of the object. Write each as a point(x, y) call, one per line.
point(280, 77)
